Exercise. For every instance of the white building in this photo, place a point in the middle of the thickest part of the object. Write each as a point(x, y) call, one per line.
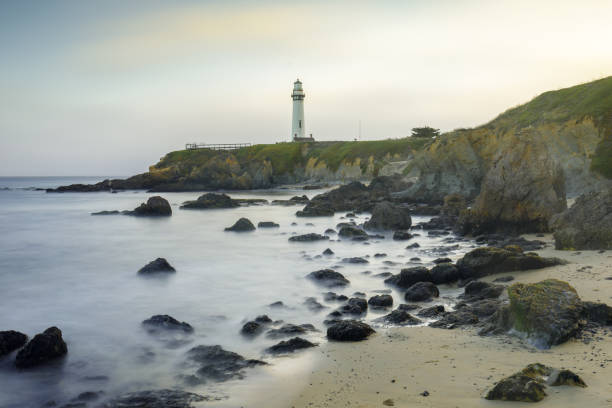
point(298, 132)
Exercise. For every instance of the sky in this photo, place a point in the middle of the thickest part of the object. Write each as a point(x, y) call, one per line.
point(108, 87)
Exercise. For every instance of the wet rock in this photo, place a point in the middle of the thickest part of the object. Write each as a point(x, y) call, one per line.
point(381, 301)
point(156, 399)
point(489, 260)
point(380, 255)
point(481, 308)
point(211, 200)
point(295, 200)
point(217, 364)
point(354, 306)
point(277, 304)
point(349, 330)
point(44, 347)
point(290, 346)
point(408, 307)
point(263, 319)
point(155, 206)
point(350, 231)
point(313, 305)
point(401, 236)
point(308, 238)
point(267, 224)
point(438, 261)
point(355, 260)
point(444, 273)
point(451, 320)
point(433, 311)
point(330, 231)
point(409, 276)
point(334, 297)
point(413, 246)
point(328, 277)
point(242, 225)
point(421, 291)
point(328, 252)
point(287, 330)
point(477, 290)
point(11, 340)
point(251, 329)
point(316, 209)
point(111, 212)
point(165, 322)
point(401, 318)
point(504, 279)
point(388, 216)
point(159, 265)
point(599, 313)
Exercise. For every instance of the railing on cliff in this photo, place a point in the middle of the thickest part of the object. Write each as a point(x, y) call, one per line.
point(218, 146)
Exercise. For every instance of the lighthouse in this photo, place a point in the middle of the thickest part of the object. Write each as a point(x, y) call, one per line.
point(298, 132)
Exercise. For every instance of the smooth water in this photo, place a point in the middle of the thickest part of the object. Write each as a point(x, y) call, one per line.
point(60, 266)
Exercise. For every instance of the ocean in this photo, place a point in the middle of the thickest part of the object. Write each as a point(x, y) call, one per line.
point(61, 266)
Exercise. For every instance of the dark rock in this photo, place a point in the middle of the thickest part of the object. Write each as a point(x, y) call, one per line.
point(89, 395)
point(442, 260)
point(218, 364)
point(165, 322)
point(288, 329)
point(308, 238)
point(451, 320)
point(489, 260)
point(478, 290)
point(444, 273)
point(251, 329)
point(328, 252)
point(330, 231)
point(413, 246)
point(156, 399)
point(380, 255)
point(211, 200)
point(44, 347)
point(263, 319)
point(276, 304)
point(421, 291)
point(433, 311)
point(290, 346)
point(401, 236)
point(328, 277)
point(355, 306)
point(267, 224)
point(599, 313)
point(350, 231)
point(316, 209)
point(401, 318)
point(355, 260)
point(481, 308)
point(112, 212)
point(388, 216)
point(518, 387)
point(567, 377)
point(408, 307)
point(504, 279)
point(160, 265)
point(349, 330)
point(10, 341)
point(334, 297)
point(242, 225)
point(312, 304)
point(154, 207)
point(409, 276)
point(381, 301)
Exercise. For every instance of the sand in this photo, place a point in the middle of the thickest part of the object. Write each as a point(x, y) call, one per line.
point(457, 367)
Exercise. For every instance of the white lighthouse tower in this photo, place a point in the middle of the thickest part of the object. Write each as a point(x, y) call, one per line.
point(297, 124)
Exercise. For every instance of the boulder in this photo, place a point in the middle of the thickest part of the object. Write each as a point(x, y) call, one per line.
point(444, 273)
point(381, 301)
point(349, 330)
point(288, 329)
point(598, 313)
point(267, 224)
point(409, 276)
point(313, 305)
point(165, 322)
point(478, 290)
point(400, 317)
point(46, 346)
point(481, 308)
point(316, 209)
point(490, 260)
point(290, 346)
point(401, 236)
point(433, 311)
point(328, 252)
point(217, 364)
point(328, 277)
point(211, 200)
point(389, 216)
point(309, 237)
point(354, 306)
point(10, 341)
point(587, 224)
point(159, 265)
point(334, 297)
point(351, 231)
point(421, 291)
point(251, 329)
point(242, 225)
point(165, 398)
point(155, 206)
point(451, 320)
point(355, 260)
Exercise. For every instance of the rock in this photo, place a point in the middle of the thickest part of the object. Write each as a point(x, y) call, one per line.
point(547, 313)
point(438, 261)
point(267, 224)
point(242, 225)
point(334, 297)
point(477, 290)
point(567, 377)
point(409, 276)
point(313, 305)
point(504, 279)
point(156, 399)
point(10, 341)
point(401, 318)
point(444, 273)
point(330, 231)
point(350, 231)
point(288, 329)
point(481, 308)
point(328, 252)
point(599, 313)
point(380, 255)
point(355, 306)
point(263, 319)
point(328, 277)
point(211, 200)
point(155, 206)
point(277, 304)
point(308, 238)
point(251, 329)
point(355, 260)
point(112, 212)
point(295, 200)
point(316, 209)
point(381, 301)
point(290, 346)
point(46, 346)
point(165, 322)
point(433, 311)
point(587, 224)
point(401, 236)
point(486, 261)
point(455, 319)
point(218, 364)
point(413, 246)
point(388, 216)
point(408, 307)
point(349, 330)
point(160, 265)
point(421, 291)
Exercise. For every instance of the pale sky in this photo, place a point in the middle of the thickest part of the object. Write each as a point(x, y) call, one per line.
point(108, 87)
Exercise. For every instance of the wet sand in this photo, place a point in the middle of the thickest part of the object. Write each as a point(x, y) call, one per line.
point(457, 367)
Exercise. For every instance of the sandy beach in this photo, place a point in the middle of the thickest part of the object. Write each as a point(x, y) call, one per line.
point(457, 367)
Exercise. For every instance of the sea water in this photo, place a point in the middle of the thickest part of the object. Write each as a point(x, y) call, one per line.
point(61, 266)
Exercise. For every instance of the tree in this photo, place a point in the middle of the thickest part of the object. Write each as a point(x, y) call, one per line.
point(425, 132)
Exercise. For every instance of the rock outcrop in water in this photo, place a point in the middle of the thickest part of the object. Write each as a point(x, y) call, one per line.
point(216, 364)
point(44, 347)
point(389, 216)
point(211, 200)
point(156, 399)
point(166, 322)
point(10, 341)
point(242, 225)
point(349, 330)
point(159, 265)
point(155, 206)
